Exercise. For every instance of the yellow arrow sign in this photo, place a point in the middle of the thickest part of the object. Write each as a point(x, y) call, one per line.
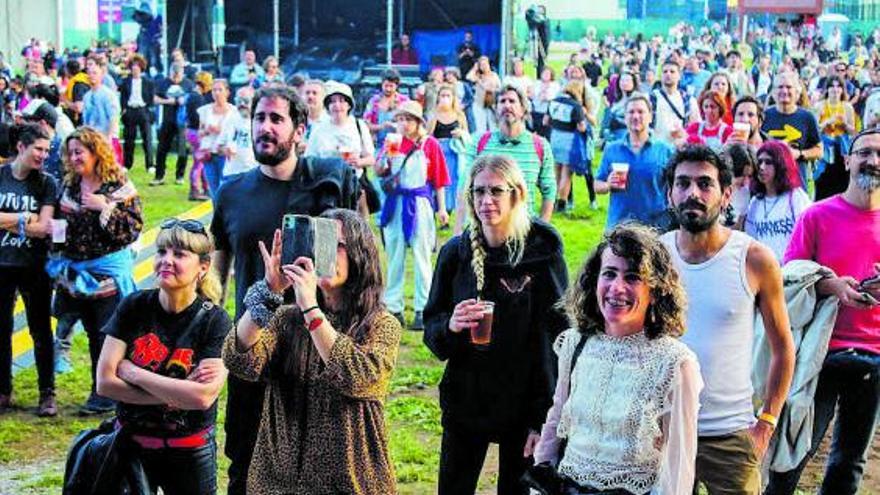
point(788, 133)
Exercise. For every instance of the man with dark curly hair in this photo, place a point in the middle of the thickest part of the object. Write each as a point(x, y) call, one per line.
point(727, 277)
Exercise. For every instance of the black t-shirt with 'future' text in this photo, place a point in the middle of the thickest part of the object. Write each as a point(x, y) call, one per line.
point(30, 195)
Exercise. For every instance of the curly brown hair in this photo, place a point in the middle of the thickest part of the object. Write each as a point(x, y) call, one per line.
point(642, 249)
point(106, 166)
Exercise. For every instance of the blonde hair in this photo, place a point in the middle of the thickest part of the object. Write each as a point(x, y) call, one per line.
point(204, 80)
point(106, 167)
point(576, 90)
point(520, 222)
point(201, 244)
point(456, 109)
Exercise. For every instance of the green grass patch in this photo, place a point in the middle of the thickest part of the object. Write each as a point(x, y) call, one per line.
point(415, 411)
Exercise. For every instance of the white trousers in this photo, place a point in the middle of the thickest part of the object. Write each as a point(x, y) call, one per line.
point(422, 244)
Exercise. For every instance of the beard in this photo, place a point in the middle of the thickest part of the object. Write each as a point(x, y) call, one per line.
point(694, 222)
point(281, 153)
point(868, 180)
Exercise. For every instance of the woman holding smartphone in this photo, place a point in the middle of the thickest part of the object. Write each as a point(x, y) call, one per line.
point(327, 360)
point(496, 387)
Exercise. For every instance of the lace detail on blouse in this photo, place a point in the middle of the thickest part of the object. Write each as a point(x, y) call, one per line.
point(620, 390)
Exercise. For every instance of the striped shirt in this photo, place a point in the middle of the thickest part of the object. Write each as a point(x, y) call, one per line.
point(538, 176)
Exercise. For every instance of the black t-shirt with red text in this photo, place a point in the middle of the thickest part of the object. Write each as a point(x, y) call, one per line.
point(170, 345)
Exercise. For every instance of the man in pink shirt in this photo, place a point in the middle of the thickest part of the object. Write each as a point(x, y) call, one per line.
point(843, 234)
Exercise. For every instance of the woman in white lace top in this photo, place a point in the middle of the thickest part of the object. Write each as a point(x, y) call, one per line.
point(627, 411)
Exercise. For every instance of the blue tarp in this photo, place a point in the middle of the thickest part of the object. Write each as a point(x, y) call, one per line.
point(434, 44)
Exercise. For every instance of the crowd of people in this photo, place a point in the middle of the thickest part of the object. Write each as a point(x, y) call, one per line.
point(728, 314)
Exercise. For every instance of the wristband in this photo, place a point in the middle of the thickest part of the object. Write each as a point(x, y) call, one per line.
point(769, 419)
point(310, 308)
point(315, 323)
point(22, 225)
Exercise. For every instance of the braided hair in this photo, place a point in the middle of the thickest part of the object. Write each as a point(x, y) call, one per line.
point(478, 257)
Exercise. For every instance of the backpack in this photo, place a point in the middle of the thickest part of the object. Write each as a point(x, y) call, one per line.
point(536, 141)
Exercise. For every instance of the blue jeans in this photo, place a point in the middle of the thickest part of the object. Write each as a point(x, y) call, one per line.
point(850, 380)
point(214, 174)
point(182, 471)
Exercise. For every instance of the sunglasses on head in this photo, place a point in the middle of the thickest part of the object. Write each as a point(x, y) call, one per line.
point(194, 226)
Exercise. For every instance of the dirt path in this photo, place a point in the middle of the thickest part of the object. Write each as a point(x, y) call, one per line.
point(812, 476)
point(25, 479)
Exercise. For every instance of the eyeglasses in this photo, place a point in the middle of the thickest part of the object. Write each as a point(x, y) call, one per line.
point(765, 161)
point(495, 191)
point(194, 226)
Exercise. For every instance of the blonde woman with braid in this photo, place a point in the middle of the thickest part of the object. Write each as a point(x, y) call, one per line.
point(500, 391)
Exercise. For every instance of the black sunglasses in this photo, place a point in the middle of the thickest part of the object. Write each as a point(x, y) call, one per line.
point(194, 226)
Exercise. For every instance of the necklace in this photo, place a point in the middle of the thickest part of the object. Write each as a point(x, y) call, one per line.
point(772, 207)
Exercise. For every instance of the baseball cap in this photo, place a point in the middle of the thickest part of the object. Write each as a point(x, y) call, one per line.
point(40, 110)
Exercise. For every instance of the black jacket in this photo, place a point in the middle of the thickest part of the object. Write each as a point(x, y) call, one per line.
point(508, 386)
point(333, 184)
point(147, 92)
point(101, 462)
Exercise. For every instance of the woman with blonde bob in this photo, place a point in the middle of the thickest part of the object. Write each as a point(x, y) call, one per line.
point(496, 387)
point(93, 269)
point(161, 362)
point(627, 395)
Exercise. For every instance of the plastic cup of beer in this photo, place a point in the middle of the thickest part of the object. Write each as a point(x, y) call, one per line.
point(621, 175)
point(482, 334)
point(392, 143)
point(59, 231)
point(346, 153)
point(741, 130)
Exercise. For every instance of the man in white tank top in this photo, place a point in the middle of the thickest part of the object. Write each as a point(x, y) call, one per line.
point(727, 275)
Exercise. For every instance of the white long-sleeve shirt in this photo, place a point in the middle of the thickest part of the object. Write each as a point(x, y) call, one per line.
point(619, 382)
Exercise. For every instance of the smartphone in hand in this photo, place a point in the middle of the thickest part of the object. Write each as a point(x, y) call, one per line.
point(311, 237)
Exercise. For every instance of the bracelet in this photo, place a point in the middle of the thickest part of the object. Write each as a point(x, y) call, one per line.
point(22, 226)
point(315, 323)
point(768, 418)
point(262, 303)
point(310, 308)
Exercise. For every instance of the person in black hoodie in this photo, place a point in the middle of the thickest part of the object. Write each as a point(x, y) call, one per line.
point(500, 391)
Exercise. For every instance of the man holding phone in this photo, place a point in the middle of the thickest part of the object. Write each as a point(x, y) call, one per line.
point(249, 208)
point(843, 234)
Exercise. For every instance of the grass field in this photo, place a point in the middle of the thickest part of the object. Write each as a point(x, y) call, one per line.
point(32, 450)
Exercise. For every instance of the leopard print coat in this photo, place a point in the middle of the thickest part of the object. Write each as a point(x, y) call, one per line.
point(324, 432)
